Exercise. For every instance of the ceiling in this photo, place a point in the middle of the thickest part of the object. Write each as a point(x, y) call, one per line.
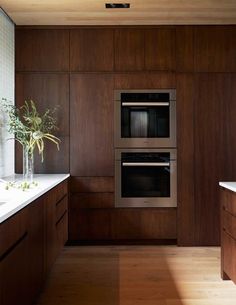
point(142, 12)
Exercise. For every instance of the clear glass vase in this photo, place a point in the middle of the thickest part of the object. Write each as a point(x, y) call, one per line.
point(28, 164)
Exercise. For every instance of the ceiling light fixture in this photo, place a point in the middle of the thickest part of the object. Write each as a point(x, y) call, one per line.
point(117, 5)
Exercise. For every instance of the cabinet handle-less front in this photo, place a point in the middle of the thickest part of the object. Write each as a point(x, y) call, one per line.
point(146, 164)
point(157, 104)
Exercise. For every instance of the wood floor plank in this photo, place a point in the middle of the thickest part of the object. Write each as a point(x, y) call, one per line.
point(137, 275)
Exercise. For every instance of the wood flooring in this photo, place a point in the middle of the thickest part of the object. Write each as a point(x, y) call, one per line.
point(137, 275)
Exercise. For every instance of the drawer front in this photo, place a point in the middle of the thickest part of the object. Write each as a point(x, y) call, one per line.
point(62, 231)
point(59, 191)
point(229, 223)
point(92, 185)
point(12, 230)
point(61, 208)
point(229, 256)
point(93, 200)
point(228, 200)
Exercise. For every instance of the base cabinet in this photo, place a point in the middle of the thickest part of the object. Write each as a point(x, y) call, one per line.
point(30, 242)
point(228, 235)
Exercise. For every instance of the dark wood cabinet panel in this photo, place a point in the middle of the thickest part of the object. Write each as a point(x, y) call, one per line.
point(91, 125)
point(228, 235)
point(92, 184)
point(210, 162)
point(91, 50)
point(215, 48)
point(228, 201)
point(56, 223)
point(48, 91)
point(93, 224)
point(42, 50)
point(229, 111)
point(129, 49)
point(150, 80)
point(160, 49)
point(144, 224)
point(229, 262)
point(184, 49)
point(15, 275)
point(121, 224)
point(14, 260)
point(13, 230)
point(185, 144)
point(93, 200)
point(36, 247)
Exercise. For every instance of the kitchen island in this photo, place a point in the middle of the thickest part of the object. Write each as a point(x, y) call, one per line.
point(33, 231)
point(228, 230)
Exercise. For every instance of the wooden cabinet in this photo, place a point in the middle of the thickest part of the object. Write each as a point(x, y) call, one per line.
point(48, 91)
point(28, 248)
point(185, 144)
point(151, 80)
point(129, 49)
point(184, 48)
point(91, 224)
point(145, 49)
point(210, 157)
point(228, 234)
point(91, 50)
point(36, 246)
point(14, 260)
point(215, 48)
point(160, 49)
point(56, 223)
point(42, 50)
point(91, 125)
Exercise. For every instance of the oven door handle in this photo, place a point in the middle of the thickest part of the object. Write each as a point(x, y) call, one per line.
point(156, 104)
point(145, 163)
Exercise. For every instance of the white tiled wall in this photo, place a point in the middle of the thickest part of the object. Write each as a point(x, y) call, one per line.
point(7, 80)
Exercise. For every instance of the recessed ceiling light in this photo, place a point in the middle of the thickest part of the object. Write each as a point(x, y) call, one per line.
point(117, 5)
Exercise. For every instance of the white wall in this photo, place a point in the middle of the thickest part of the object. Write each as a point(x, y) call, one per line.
point(7, 85)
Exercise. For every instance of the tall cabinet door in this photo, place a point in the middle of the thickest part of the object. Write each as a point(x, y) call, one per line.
point(47, 91)
point(91, 125)
point(185, 144)
point(213, 97)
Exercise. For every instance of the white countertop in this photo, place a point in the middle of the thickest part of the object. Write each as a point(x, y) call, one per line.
point(13, 200)
point(229, 185)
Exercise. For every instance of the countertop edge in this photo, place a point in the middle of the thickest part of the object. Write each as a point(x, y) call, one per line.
point(229, 185)
point(22, 205)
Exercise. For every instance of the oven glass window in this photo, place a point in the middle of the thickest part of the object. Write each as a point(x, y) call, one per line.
point(145, 177)
point(145, 115)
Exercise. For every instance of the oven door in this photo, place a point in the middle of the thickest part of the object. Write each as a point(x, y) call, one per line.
point(144, 123)
point(146, 184)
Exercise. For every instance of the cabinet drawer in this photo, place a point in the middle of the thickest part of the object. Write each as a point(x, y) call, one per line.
point(62, 230)
point(228, 200)
point(61, 208)
point(229, 254)
point(229, 223)
point(58, 192)
point(12, 230)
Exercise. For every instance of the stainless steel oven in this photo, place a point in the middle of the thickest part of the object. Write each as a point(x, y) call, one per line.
point(146, 178)
point(145, 118)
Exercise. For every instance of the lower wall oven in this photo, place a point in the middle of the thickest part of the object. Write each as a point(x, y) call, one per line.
point(145, 178)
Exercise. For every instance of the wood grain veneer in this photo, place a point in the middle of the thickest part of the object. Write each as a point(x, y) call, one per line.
point(42, 50)
point(91, 125)
point(91, 50)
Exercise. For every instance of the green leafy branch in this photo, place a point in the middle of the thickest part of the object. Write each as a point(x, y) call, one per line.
point(29, 127)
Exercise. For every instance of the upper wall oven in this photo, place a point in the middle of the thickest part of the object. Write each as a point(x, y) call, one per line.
point(145, 118)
